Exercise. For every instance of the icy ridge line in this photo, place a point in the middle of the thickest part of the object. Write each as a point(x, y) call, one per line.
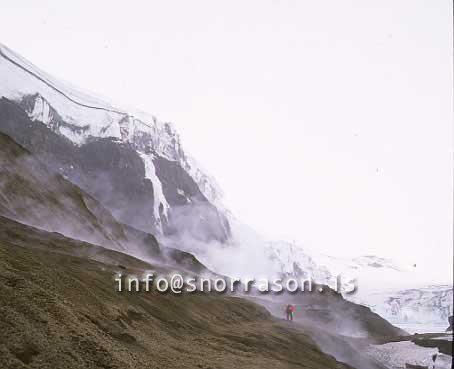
point(2, 53)
point(118, 123)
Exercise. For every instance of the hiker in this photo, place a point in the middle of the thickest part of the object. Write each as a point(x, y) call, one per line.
point(289, 310)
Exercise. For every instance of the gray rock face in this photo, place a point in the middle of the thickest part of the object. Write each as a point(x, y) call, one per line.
point(37, 196)
point(114, 173)
point(128, 159)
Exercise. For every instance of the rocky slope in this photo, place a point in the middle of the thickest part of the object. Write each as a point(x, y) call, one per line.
point(33, 194)
point(129, 161)
point(37, 196)
point(60, 308)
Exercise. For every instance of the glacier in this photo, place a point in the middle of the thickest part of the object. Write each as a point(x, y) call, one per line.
point(81, 116)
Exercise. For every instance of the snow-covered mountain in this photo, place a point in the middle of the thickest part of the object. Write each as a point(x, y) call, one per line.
point(129, 160)
point(136, 167)
point(260, 256)
point(295, 258)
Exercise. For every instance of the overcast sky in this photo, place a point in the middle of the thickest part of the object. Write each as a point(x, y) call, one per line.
point(325, 121)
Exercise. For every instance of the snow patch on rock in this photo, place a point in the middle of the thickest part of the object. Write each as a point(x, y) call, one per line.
point(397, 354)
point(160, 204)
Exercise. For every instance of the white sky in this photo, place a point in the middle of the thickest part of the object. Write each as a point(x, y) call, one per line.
point(325, 121)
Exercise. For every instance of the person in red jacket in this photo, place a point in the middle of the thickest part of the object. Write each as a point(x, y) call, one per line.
point(289, 310)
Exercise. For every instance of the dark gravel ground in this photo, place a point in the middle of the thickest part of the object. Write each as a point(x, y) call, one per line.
point(59, 308)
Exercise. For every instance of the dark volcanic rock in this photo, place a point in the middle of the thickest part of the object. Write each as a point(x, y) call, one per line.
point(60, 308)
point(32, 193)
point(444, 346)
point(114, 173)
